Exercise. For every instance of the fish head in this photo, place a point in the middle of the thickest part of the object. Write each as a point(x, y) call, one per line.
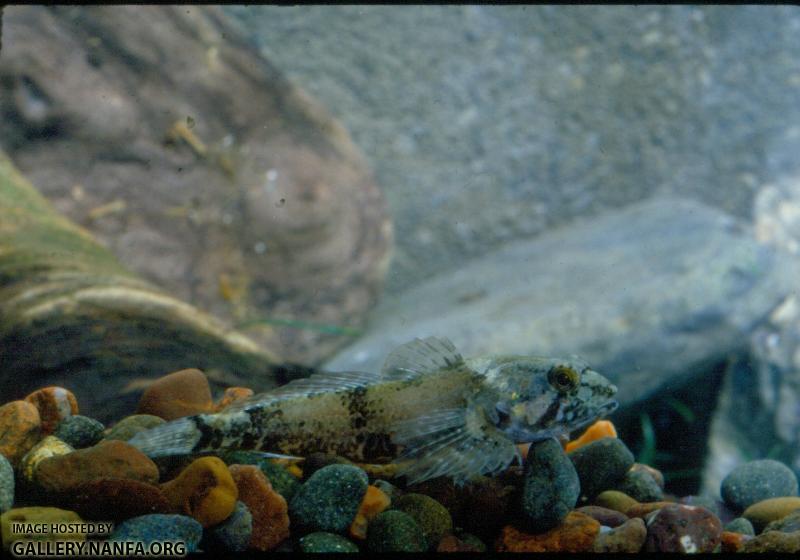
point(538, 398)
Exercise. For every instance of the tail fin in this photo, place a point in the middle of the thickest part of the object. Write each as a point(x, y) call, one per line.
point(178, 437)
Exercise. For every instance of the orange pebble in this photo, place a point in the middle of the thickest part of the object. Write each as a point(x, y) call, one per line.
point(233, 394)
point(374, 502)
point(732, 542)
point(598, 430)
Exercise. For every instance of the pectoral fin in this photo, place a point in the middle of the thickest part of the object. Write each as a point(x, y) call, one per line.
point(459, 443)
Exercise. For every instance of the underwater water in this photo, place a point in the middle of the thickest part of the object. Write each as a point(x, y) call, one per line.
point(266, 193)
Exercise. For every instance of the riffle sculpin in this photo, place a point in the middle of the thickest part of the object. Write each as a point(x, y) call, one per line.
point(429, 411)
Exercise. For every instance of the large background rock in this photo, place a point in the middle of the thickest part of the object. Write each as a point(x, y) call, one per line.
point(256, 206)
point(491, 123)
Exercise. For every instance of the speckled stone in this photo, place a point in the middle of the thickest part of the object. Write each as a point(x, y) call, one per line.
point(787, 524)
point(756, 481)
point(601, 465)
point(54, 405)
point(180, 393)
point(640, 485)
point(628, 537)
point(50, 446)
point(79, 431)
point(160, 527)
point(604, 516)
point(764, 512)
point(773, 541)
point(20, 429)
point(740, 525)
point(6, 485)
point(129, 426)
point(388, 488)
point(680, 528)
point(316, 461)
point(234, 533)
point(329, 500)
point(326, 542)
point(551, 487)
point(395, 531)
point(430, 515)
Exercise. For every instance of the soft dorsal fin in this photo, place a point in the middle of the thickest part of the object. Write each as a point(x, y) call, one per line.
point(422, 356)
point(318, 383)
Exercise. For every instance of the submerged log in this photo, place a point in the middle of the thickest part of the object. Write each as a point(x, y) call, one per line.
point(72, 315)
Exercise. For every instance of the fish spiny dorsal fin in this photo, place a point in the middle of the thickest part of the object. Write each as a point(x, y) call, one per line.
point(422, 357)
point(318, 383)
point(460, 443)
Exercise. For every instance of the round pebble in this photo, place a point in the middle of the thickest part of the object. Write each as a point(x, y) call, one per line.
point(181, 393)
point(756, 481)
point(79, 431)
point(551, 488)
point(326, 542)
point(431, 516)
point(616, 500)
point(160, 527)
point(37, 515)
point(604, 516)
point(601, 465)
point(773, 541)
point(116, 499)
point(6, 485)
point(764, 512)
point(54, 405)
point(683, 529)
point(395, 531)
point(329, 500)
point(234, 533)
point(49, 447)
point(129, 426)
point(641, 486)
point(742, 526)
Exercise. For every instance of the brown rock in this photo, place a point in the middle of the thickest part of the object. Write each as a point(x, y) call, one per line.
point(575, 534)
point(732, 542)
point(681, 528)
point(773, 541)
point(451, 543)
point(178, 394)
point(107, 459)
point(268, 508)
point(604, 516)
point(652, 471)
point(54, 404)
point(116, 499)
point(642, 510)
point(20, 430)
point(616, 500)
point(628, 537)
point(764, 512)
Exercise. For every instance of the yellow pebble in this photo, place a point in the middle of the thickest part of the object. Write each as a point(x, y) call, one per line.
point(204, 490)
point(766, 511)
point(42, 516)
point(616, 500)
point(48, 447)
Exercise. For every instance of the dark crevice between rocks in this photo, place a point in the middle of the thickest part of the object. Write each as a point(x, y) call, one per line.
point(681, 422)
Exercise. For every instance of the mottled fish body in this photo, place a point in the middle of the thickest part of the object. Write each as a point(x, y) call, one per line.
point(429, 410)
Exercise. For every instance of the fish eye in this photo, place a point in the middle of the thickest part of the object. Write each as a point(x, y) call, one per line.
point(563, 378)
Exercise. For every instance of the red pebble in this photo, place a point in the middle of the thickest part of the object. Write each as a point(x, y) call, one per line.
point(54, 405)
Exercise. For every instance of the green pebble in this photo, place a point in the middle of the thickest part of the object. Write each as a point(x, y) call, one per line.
point(6, 484)
point(395, 531)
point(283, 482)
point(129, 426)
point(742, 526)
point(601, 465)
point(432, 517)
point(329, 500)
point(326, 542)
point(641, 486)
point(551, 487)
point(234, 533)
point(787, 524)
point(756, 481)
point(79, 431)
